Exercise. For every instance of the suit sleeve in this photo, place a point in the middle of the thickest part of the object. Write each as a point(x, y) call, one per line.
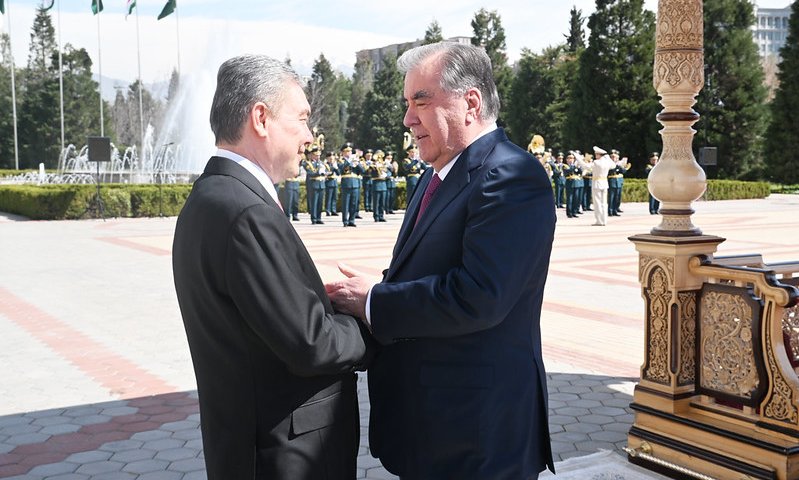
point(506, 246)
point(267, 272)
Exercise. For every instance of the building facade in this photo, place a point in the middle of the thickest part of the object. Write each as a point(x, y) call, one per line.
point(770, 31)
point(378, 55)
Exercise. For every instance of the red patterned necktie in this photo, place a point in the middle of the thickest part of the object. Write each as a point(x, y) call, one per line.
point(431, 189)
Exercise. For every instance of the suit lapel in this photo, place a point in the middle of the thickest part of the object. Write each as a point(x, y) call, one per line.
point(225, 166)
point(471, 158)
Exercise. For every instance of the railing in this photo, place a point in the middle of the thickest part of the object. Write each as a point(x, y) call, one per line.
point(747, 340)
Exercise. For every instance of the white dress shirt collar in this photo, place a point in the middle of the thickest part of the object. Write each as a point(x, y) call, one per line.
point(445, 170)
point(253, 168)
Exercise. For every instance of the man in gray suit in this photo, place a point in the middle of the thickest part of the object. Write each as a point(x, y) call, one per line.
point(274, 365)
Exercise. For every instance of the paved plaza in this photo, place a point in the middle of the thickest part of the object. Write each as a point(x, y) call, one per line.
point(97, 383)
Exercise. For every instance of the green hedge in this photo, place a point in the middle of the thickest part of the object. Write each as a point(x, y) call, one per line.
point(66, 202)
point(635, 190)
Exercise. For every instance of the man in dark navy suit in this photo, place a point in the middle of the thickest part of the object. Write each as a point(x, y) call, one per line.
point(458, 389)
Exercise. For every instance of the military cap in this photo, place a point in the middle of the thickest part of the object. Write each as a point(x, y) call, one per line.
point(614, 151)
point(599, 150)
point(347, 146)
point(313, 149)
point(389, 153)
point(369, 150)
point(654, 155)
point(410, 147)
point(330, 153)
point(560, 154)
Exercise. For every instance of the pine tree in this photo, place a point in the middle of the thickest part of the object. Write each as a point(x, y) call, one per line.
point(6, 107)
point(39, 110)
point(613, 102)
point(383, 110)
point(433, 33)
point(324, 91)
point(490, 34)
point(575, 40)
point(124, 133)
point(732, 102)
point(782, 136)
point(81, 97)
point(531, 92)
point(362, 82)
point(174, 86)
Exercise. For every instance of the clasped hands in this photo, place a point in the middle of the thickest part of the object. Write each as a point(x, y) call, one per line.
point(349, 295)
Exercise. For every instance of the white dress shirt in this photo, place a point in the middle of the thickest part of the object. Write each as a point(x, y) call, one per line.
point(253, 168)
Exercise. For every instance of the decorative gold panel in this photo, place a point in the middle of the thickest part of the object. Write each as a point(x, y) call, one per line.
point(780, 403)
point(790, 325)
point(726, 349)
point(685, 375)
point(657, 295)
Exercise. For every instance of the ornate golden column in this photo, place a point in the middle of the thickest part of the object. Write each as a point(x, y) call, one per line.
point(677, 180)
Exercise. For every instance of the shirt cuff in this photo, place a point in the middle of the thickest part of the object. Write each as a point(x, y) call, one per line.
point(369, 309)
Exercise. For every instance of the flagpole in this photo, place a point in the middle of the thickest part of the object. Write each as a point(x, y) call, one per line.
point(100, 76)
point(141, 109)
point(60, 79)
point(13, 87)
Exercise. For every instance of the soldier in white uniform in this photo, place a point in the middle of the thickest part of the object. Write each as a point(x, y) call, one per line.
point(599, 184)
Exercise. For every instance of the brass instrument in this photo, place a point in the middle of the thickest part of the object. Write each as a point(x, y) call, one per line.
point(536, 144)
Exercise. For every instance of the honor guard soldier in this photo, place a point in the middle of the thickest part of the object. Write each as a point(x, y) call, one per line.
point(291, 197)
point(412, 168)
point(393, 168)
point(654, 203)
point(558, 179)
point(573, 175)
point(368, 159)
point(331, 184)
point(315, 183)
point(588, 178)
point(378, 173)
point(351, 171)
point(615, 182)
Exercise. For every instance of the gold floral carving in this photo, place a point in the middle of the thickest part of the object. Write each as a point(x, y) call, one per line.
point(727, 356)
point(658, 295)
point(677, 68)
point(680, 24)
point(790, 325)
point(779, 405)
point(687, 301)
point(646, 262)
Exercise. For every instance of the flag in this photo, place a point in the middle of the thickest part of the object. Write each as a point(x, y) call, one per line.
point(97, 6)
point(52, 2)
point(168, 8)
point(129, 7)
point(2, 7)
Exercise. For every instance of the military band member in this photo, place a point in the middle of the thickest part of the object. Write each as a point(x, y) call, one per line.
point(368, 159)
point(378, 173)
point(412, 168)
point(588, 175)
point(558, 179)
point(573, 175)
point(331, 184)
point(393, 168)
point(615, 182)
point(351, 171)
point(654, 203)
point(291, 197)
point(315, 184)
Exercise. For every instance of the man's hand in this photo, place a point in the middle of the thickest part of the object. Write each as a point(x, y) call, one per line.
point(349, 295)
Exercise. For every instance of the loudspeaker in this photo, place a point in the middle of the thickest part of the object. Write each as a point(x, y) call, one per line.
point(708, 156)
point(99, 149)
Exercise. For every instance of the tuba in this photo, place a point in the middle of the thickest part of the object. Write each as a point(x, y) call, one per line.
point(407, 140)
point(536, 144)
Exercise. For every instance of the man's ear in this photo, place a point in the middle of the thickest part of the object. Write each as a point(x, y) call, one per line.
point(474, 105)
point(259, 118)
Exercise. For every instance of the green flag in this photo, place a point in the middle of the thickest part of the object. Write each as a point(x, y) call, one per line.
point(2, 7)
point(52, 2)
point(97, 6)
point(130, 6)
point(168, 8)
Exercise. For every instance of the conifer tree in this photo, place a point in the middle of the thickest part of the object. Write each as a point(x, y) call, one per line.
point(362, 82)
point(575, 40)
point(6, 107)
point(433, 33)
point(490, 34)
point(383, 110)
point(614, 104)
point(732, 102)
point(782, 136)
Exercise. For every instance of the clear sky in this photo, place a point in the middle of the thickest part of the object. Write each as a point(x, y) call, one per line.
point(212, 30)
